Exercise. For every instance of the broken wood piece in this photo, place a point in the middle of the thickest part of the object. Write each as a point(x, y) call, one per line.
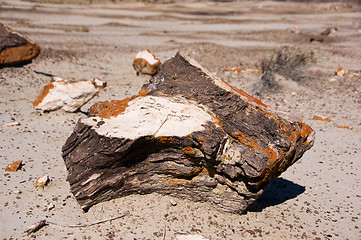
point(12, 124)
point(13, 167)
point(42, 181)
point(145, 62)
point(68, 94)
point(187, 134)
point(16, 49)
point(36, 227)
point(321, 118)
point(341, 72)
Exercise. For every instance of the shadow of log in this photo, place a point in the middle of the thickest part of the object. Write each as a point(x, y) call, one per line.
point(279, 191)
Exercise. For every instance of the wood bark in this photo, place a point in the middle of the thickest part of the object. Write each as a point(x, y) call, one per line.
point(194, 136)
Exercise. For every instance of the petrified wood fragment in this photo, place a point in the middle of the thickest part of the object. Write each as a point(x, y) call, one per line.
point(187, 134)
point(69, 94)
point(145, 62)
point(16, 49)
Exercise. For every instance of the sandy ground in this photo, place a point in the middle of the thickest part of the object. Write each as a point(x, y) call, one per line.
point(317, 198)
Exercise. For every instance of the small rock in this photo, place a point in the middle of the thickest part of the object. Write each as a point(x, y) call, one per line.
point(330, 30)
point(173, 202)
point(190, 237)
point(68, 94)
point(295, 30)
point(341, 72)
point(13, 167)
point(17, 191)
point(49, 206)
point(42, 181)
point(145, 62)
point(321, 118)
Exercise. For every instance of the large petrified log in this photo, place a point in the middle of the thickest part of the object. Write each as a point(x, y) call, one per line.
point(187, 134)
point(16, 49)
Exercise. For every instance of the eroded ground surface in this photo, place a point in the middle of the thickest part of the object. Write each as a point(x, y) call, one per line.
point(317, 198)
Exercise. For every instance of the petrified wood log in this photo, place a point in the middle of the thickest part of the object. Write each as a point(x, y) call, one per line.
point(16, 49)
point(187, 134)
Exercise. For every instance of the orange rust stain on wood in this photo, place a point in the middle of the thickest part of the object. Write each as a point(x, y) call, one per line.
point(305, 130)
point(272, 155)
point(143, 91)
point(109, 109)
point(200, 140)
point(164, 140)
point(218, 121)
point(245, 140)
point(204, 172)
point(43, 94)
point(269, 173)
point(24, 53)
point(189, 151)
point(195, 171)
point(176, 181)
point(294, 136)
point(13, 167)
point(243, 93)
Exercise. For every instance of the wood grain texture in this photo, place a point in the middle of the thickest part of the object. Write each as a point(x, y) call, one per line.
point(228, 163)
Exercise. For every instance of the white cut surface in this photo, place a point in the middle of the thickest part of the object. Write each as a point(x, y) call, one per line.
point(68, 95)
point(157, 116)
point(148, 56)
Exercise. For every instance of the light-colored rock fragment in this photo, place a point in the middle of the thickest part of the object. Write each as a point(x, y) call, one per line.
point(190, 237)
point(341, 72)
point(12, 124)
point(42, 181)
point(145, 62)
point(68, 94)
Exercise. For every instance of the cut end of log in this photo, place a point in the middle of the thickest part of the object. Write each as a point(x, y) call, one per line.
point(153, 116)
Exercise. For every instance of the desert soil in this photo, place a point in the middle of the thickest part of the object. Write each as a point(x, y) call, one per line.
point(317, 198)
